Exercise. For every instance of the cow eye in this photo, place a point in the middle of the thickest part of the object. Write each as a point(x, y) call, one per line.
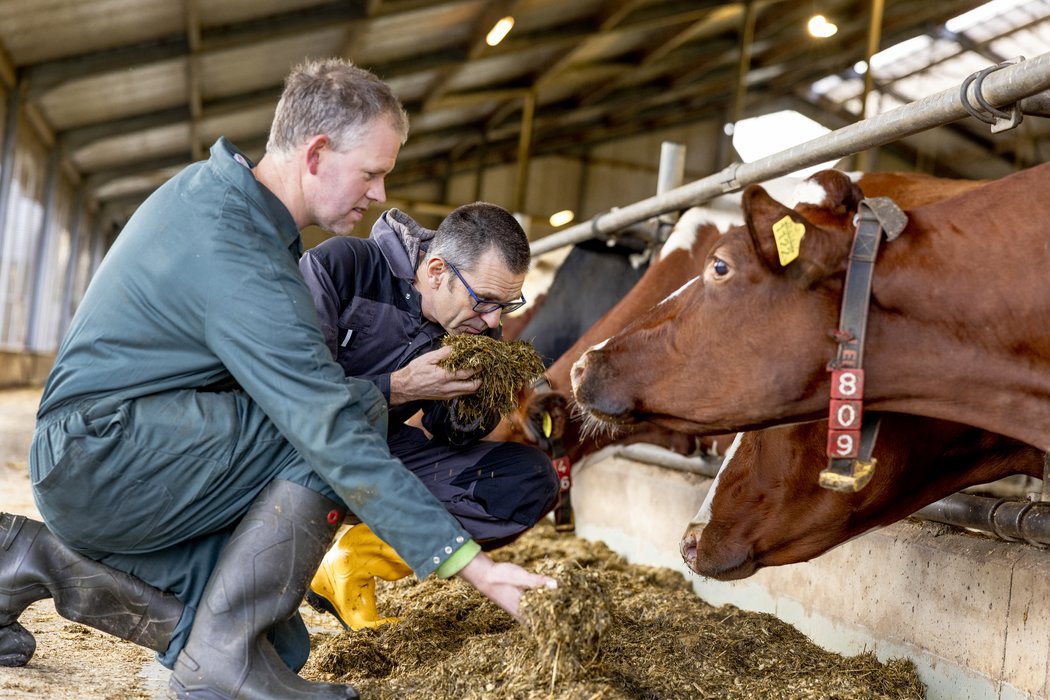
point(720, 267)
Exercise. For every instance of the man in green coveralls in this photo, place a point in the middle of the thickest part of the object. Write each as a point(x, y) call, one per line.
point(196, 433)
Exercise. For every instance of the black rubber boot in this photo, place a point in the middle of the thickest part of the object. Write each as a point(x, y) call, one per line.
point(259, 580)
point(35, 565)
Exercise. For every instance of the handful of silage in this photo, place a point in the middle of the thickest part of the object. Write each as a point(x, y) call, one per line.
point(502, 366)
point(566, 625)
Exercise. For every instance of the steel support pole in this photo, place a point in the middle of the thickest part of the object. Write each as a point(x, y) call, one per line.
point(670, 176)
point(521, 185)
point(7, 157)
point(76, 238)
point(865, 157)
point(747, 38)
point(44, 245)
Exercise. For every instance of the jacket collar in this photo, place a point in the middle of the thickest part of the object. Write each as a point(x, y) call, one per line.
point(233, 166)
point(393, 248)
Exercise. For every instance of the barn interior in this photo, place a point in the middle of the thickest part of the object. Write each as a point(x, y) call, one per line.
point(561, 119)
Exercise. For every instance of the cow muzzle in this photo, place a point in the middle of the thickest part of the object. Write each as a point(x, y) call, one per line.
point(596, 391)
point(715, 557)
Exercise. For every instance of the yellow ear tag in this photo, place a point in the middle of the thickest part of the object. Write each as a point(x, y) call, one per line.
point(548, 424)
point(788, 235)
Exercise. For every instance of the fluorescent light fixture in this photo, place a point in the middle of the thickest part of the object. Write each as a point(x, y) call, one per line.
point(819, 27)
point(499, 31)
point(560, 218)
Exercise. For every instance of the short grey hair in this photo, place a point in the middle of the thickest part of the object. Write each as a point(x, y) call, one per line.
point(472, 229)
point(335, 98)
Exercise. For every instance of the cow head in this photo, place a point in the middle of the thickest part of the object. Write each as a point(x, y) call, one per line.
point(743, 344)
point(765, 508)
point(681, 258)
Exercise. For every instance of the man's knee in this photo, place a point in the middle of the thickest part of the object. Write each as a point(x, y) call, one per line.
point(517, 483)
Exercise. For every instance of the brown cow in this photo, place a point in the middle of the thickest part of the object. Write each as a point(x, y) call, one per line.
point(681, 259)
point(957, 328)
point(765, 508)
point(683, 253)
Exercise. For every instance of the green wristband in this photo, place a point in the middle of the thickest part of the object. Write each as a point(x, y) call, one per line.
point(460, 558)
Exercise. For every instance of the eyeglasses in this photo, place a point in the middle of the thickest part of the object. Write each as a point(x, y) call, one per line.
point(487, 306)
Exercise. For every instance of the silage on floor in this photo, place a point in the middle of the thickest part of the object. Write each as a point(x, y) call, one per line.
point(610, 630)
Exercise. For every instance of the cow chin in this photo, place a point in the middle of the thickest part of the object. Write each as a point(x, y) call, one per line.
point(596, 426)
point(721, 564)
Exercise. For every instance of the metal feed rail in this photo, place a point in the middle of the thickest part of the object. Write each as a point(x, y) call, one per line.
point(1000, 88)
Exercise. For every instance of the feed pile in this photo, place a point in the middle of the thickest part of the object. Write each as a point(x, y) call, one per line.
point(611, 630)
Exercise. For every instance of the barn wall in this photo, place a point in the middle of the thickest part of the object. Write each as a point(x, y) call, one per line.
point(40, 270)
point(613, 174)
point(19, 369)
point(971, 612)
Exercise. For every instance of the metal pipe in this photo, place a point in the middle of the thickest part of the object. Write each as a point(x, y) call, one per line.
point(1009, 519)
point(670, 176)
point(77, 236)
point(1003, 87)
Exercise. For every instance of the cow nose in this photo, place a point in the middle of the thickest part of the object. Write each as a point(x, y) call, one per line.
point(578, 368)
point(688, 549)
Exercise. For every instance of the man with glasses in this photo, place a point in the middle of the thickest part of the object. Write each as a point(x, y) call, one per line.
point(384, 304)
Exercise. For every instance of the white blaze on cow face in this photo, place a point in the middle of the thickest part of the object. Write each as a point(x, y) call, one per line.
point(578, 365)
point(675, 293)
point(599, 346)
point(703, 516)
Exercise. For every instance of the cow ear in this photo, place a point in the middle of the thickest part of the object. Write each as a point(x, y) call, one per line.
point(788, 242)
point(840, 192)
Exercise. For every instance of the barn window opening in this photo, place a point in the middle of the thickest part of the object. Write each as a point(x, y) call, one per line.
point(763, 136)
point(940, 59)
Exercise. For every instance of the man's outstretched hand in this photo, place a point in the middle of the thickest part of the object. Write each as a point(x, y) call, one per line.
point(503, 583)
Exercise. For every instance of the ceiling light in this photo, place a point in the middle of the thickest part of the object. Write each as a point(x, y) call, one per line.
point(562, 217)
point(499, 31)
point(819, 27)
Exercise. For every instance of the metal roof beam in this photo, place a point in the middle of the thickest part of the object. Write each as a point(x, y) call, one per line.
point(47, 75)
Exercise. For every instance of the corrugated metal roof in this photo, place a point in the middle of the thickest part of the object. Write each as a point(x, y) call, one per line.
point(132, 89)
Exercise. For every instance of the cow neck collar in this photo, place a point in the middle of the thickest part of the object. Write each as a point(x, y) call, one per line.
point(851, 437)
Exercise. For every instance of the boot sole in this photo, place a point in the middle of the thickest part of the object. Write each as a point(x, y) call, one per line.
point(323, 605)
